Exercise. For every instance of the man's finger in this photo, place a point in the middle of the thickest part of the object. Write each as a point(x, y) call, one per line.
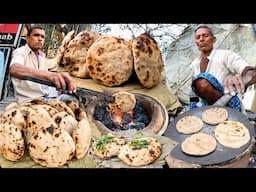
point(236, 81)
point(70, 84)
point(229, 85)
point(62, 82)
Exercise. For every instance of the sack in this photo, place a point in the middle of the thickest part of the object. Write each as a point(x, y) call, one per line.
point(249, 99)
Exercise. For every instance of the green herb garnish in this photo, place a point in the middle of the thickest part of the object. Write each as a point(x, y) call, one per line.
point(102, 142)
point(139, 143)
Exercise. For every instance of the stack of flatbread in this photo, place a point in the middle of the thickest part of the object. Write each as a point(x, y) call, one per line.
point(53, 132)
point(111, 60)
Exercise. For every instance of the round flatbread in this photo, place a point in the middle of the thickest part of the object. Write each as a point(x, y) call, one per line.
point(64, 45)
point(65, 121)
point(60, 106)
point(13, 116)
point(74, 57)
point(189, 124)
point(51, 110)
point(12, 144)
point(51, 147)
point(78, 111)
point(110, 61)
point(82, 136)
point(124, 102)
point(148, 61)
point(199, 144)
point(142, 151)
point(108, 146)
point(215, 115)
point(232, 134)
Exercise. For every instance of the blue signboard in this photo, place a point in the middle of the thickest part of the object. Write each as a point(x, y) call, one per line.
point(4, 59)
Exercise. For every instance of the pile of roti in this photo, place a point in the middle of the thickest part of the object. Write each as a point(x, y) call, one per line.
point(231, 134)
point(52, 132)
point(111, 60)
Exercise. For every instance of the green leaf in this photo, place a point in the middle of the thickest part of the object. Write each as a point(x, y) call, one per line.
point(140, 143)
point(100, 144)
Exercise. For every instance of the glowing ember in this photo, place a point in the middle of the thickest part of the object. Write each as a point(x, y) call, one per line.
point(122, 119)
point(117, 118)
point(134, 119)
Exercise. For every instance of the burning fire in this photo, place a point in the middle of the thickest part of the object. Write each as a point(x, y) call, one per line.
point(114, 119)
point(123, 119)
point(117, 118)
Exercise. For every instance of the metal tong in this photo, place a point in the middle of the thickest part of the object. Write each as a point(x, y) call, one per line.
point(41, 81)
point(82, 95)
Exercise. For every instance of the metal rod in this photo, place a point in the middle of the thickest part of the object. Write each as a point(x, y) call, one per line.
point(41, 81)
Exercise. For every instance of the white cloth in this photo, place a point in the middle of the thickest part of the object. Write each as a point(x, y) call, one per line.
point(221, 64)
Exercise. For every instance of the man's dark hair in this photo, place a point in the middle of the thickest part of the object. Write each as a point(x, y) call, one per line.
point(205, 27)
point(32, 28)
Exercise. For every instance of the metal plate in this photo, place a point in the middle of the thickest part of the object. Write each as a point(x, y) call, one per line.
point(221, 154)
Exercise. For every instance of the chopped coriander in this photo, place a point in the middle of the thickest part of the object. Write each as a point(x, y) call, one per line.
point(102, 142)
point(139, 143)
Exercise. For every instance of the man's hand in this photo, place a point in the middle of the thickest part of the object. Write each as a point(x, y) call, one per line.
point(69, 81)
point(63, 82)
point(233, 85)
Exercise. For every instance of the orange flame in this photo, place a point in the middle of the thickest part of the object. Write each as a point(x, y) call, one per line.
point(117, 117)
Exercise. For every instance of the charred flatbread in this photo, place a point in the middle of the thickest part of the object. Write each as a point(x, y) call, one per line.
point(12, 144)
point(148, 61)
point(189, 124)
point(110, 61)
point(51, 147)
point(82, 136)
point(215, 115)
point(232, 134)
point(124, 102)
point(139, 152)
point(199, 144)
point(108, 146)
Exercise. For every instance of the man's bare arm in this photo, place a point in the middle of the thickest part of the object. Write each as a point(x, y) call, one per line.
point(62, 80)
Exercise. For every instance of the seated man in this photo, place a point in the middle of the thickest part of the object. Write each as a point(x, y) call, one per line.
point(29, 60)
point(216, 71)
point(209, 89)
